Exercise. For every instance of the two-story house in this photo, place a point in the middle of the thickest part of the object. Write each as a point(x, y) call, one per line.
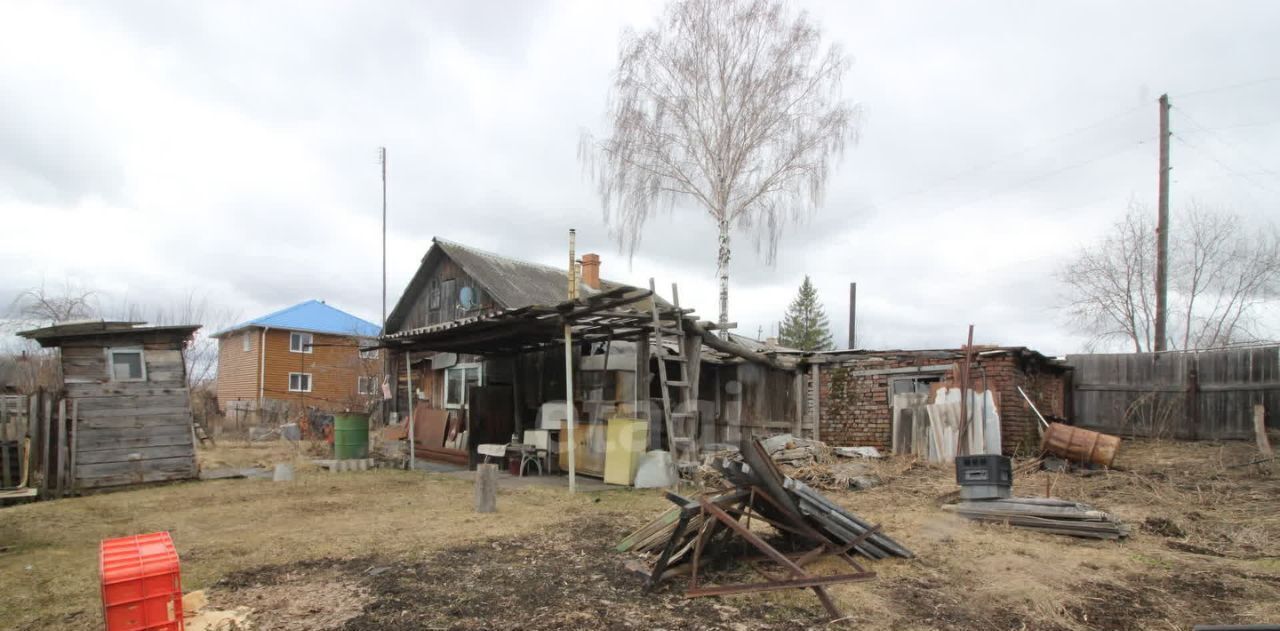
point(307, 355)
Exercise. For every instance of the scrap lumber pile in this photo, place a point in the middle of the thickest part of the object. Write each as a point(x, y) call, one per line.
point(702, 533)
point(1045, 514)
point(813, 462)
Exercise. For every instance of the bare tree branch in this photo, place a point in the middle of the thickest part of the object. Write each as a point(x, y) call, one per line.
point(732, 104)
point(1221, 273)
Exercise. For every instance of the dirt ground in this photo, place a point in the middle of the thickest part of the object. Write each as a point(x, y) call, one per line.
point(403, 550)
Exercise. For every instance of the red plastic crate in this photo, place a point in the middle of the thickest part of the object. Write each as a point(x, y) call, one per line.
point(141, 585)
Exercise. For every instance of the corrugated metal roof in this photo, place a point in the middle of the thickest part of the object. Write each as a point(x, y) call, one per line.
point(313, 316)
point(515, 283)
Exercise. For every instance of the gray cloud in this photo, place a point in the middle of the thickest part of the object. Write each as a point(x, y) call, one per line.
point(233, 147)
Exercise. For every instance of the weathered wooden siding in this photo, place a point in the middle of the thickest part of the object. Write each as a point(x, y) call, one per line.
point(238, 368)
point(1197, 395)
point(334, 364)
point(753, 400)
point(446, 275)
point(134, 431)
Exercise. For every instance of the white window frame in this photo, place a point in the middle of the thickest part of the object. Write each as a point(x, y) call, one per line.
point(306, 342)
point(460, 369)
point(300, 375)
point(121, 350)
point(367, 385)
point(246, 341)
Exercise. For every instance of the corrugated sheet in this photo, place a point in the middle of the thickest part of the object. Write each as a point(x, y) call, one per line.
point(314, 316)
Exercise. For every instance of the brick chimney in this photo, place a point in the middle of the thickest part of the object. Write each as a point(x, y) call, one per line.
point(591, 270)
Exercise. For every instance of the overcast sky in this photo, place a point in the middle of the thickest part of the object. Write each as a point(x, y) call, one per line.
point(154, 149)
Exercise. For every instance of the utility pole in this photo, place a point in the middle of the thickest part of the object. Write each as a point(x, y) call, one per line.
point(386, 357)
point(382, 159)
point(1162, 231)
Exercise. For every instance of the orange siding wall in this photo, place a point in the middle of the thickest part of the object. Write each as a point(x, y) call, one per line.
point(238, 369)
point(334, 365)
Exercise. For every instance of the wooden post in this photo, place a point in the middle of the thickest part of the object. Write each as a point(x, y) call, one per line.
point(5, 421)
point(46, 429)
point(72, 481)
point(486, 487)
point(62, 447)
point(408, 378)
point(797, 426)
point(568, 370)
point(1260, 430)
point(33, 432)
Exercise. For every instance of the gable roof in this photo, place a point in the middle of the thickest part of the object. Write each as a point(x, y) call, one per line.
point(511, 283)
point(312, 316)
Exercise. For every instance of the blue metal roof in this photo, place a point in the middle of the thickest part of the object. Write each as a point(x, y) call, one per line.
point(313, 316)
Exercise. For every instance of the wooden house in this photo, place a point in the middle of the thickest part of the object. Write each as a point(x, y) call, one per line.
point(477, 347)
point(127, 407)
point(307, 355)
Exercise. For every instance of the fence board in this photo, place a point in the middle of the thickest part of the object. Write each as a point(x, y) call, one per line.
point(1194, 395)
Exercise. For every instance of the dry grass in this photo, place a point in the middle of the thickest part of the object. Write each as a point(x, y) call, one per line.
point(1211, 553)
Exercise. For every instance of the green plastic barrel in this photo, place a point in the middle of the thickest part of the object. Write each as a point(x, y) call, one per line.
point(350, 436)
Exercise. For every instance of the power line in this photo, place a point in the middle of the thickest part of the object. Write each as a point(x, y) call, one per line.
point(1009, 156)
point(1224, 165)
point(1031, 180)
point(1233, 86)
point(1225, 143)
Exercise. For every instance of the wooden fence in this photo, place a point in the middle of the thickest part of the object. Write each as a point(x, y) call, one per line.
point(1193, 395)
point(37, 445)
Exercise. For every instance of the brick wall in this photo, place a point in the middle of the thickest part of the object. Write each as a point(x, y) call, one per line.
point(856, 409)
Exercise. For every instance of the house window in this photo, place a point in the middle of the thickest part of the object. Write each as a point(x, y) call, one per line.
point(246, 341)
point(126, 364)
point(907, 385)
point(458, 380)
point(367, 385)
point(372, 354)
point(299, 382)
point(299, 342)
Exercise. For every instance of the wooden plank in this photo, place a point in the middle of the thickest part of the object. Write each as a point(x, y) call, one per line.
point(170, 399)
point(71, 461)
point(136, 471)
point(60, 472)
point(46, 425)
point(33, 434)
point(145, 454)
point(92, 414)
point(89, 439)
point(123, 422)
point(117, 388)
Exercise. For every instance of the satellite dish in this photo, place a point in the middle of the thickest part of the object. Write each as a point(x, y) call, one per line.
point(466, 298)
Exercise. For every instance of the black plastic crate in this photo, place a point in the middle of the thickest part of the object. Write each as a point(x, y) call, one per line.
point(984, 470)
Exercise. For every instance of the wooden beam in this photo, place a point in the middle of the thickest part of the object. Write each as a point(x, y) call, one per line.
point(735, 349)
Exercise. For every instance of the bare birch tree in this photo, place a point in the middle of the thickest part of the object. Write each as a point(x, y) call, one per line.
point(1221, 274)
point(733, 106)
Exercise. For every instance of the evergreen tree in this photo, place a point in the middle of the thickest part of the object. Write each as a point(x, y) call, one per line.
point(805, 326)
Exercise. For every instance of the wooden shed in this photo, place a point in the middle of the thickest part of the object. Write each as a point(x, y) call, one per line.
point(126, 400)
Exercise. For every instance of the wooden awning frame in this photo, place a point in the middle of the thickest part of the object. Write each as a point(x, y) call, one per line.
point(609, 315)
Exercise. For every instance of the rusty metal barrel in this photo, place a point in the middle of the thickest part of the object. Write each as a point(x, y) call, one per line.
point(1079, 445)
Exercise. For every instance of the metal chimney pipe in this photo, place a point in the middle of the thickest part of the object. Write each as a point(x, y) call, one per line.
point(853, 315)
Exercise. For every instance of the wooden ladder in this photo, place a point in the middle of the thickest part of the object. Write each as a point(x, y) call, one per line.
point(681, 412)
